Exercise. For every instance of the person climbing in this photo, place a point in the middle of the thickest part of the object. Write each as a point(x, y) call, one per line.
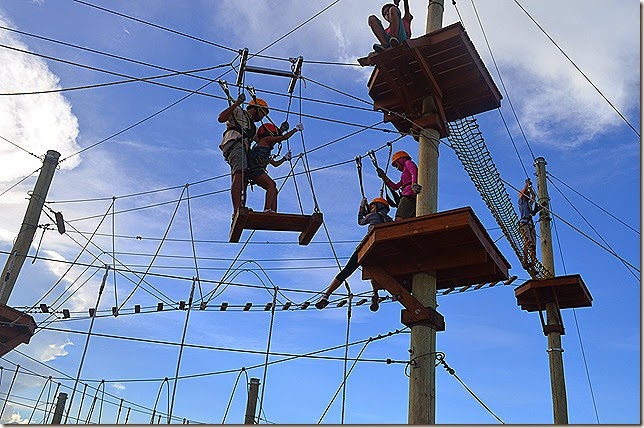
point(235, 143)
point(526, 226)
point(408, 184)
point(260, 157)
point(399, 28)
point(376, 212)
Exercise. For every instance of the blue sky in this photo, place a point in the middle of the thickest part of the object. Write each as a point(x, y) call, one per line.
point(496, 349)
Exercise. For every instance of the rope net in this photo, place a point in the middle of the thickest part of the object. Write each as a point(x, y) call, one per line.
point(467, 141)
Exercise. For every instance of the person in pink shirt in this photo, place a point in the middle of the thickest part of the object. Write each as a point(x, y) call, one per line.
point(408, 184)
point(399, 28)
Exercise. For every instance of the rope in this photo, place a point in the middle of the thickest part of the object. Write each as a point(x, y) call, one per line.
point(346, 356)
point(156, 402)
point(48, 381)
point(268, 349)
point(89, 335)
point(53, 404)
point(232, 394)
point(183, 341)
point(359, 168)
point(192, 241)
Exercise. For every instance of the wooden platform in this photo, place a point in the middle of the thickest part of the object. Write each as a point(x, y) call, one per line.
point(307, 225)
point(566, 291)
point(453, 243)
point(15, 328)
point(444, 65)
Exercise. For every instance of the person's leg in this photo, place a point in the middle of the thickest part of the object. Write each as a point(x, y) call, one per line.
point(237, 161)
point(395, 23)
point(236, 190)
point(375, 299)
point(406, 208)
point(267, 183)
point(378, 30)
point(349, 268)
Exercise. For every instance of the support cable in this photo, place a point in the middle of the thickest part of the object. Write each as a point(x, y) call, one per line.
point(578, 69)
point(156, 402)
point(232, 394)
point(192, 242)
point(345, 375)
point(31, 416)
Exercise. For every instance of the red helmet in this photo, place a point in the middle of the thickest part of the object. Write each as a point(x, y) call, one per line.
point(267, 129)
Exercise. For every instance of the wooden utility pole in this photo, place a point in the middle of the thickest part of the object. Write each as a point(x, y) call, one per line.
point(422, 379)
point(60, 407)
point(251, 403)
point(29, 225)
point(554, 326)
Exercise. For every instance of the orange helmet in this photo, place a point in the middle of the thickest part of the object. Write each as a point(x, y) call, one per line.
point(381, 200)
point(398, 155)
point(260, 103)
point(266, 130)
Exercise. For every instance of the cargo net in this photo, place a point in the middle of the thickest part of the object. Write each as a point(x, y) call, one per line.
point(467, 141)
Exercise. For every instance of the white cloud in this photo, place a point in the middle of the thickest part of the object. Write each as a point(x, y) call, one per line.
point(36, 123)
point(118, 386)
point(53, 351)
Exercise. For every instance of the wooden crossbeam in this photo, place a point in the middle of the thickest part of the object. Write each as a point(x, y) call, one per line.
point(416, 313)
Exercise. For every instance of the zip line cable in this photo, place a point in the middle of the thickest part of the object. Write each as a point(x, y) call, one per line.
point(593, 203)
point(507, 94)
point(122, 15)
point(578, 69)
point(40, 158)
point(592, 227)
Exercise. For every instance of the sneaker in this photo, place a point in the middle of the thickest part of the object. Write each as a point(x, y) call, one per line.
point(393, 42)
point(268, 210)
point(322, 303)
point(374, 303)
point(379, 48)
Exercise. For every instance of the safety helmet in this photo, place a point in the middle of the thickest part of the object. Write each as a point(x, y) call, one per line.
point(266, 130)
point(398, 155)
point(380, 200)
point(385, 8)
point(259, 103)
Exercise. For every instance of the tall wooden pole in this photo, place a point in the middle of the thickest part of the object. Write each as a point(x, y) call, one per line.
point(29, 225)
point(554, 326)
point(422, 379)
point(251, 402)
point(60, 407)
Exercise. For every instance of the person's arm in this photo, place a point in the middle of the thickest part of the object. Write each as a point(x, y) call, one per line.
point(362, 212)
point(277, 163)
point(388, 182)
point(413, 171)
point(225, 114)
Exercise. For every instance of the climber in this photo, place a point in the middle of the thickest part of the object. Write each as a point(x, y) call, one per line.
point(408, 184)
point(399, 28)
point(376, 212)
point(260, 157)
point(526, 225)
point(235, 144)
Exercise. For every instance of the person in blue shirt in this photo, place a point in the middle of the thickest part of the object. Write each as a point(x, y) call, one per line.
point(527, 197)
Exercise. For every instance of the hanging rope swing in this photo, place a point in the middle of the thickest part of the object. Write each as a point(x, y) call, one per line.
point(247, 219)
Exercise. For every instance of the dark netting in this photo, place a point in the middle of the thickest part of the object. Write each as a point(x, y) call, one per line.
point(467, 141)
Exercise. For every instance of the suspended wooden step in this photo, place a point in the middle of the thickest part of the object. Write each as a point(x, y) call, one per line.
point(307, 225)
point(566, 291)
point(452, 243)
point(443, 65)
point(15, 328)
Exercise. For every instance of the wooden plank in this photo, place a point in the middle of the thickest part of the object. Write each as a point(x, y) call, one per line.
point(417, 312)
point(239, 221)
point(312, 227)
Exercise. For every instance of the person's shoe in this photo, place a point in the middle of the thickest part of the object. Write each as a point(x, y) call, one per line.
point(393, 42)
point(322, 303)
point(374, 303)
point(268, 210)
point(379, 48)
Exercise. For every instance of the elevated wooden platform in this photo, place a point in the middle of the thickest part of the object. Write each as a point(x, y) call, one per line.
point(15, 328)
point(452, 243)
point(307, 225)
point(444, 65)
point(566, 291)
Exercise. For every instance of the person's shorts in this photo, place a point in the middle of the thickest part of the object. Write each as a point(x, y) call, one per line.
point(406, 207)
point(236, 158)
